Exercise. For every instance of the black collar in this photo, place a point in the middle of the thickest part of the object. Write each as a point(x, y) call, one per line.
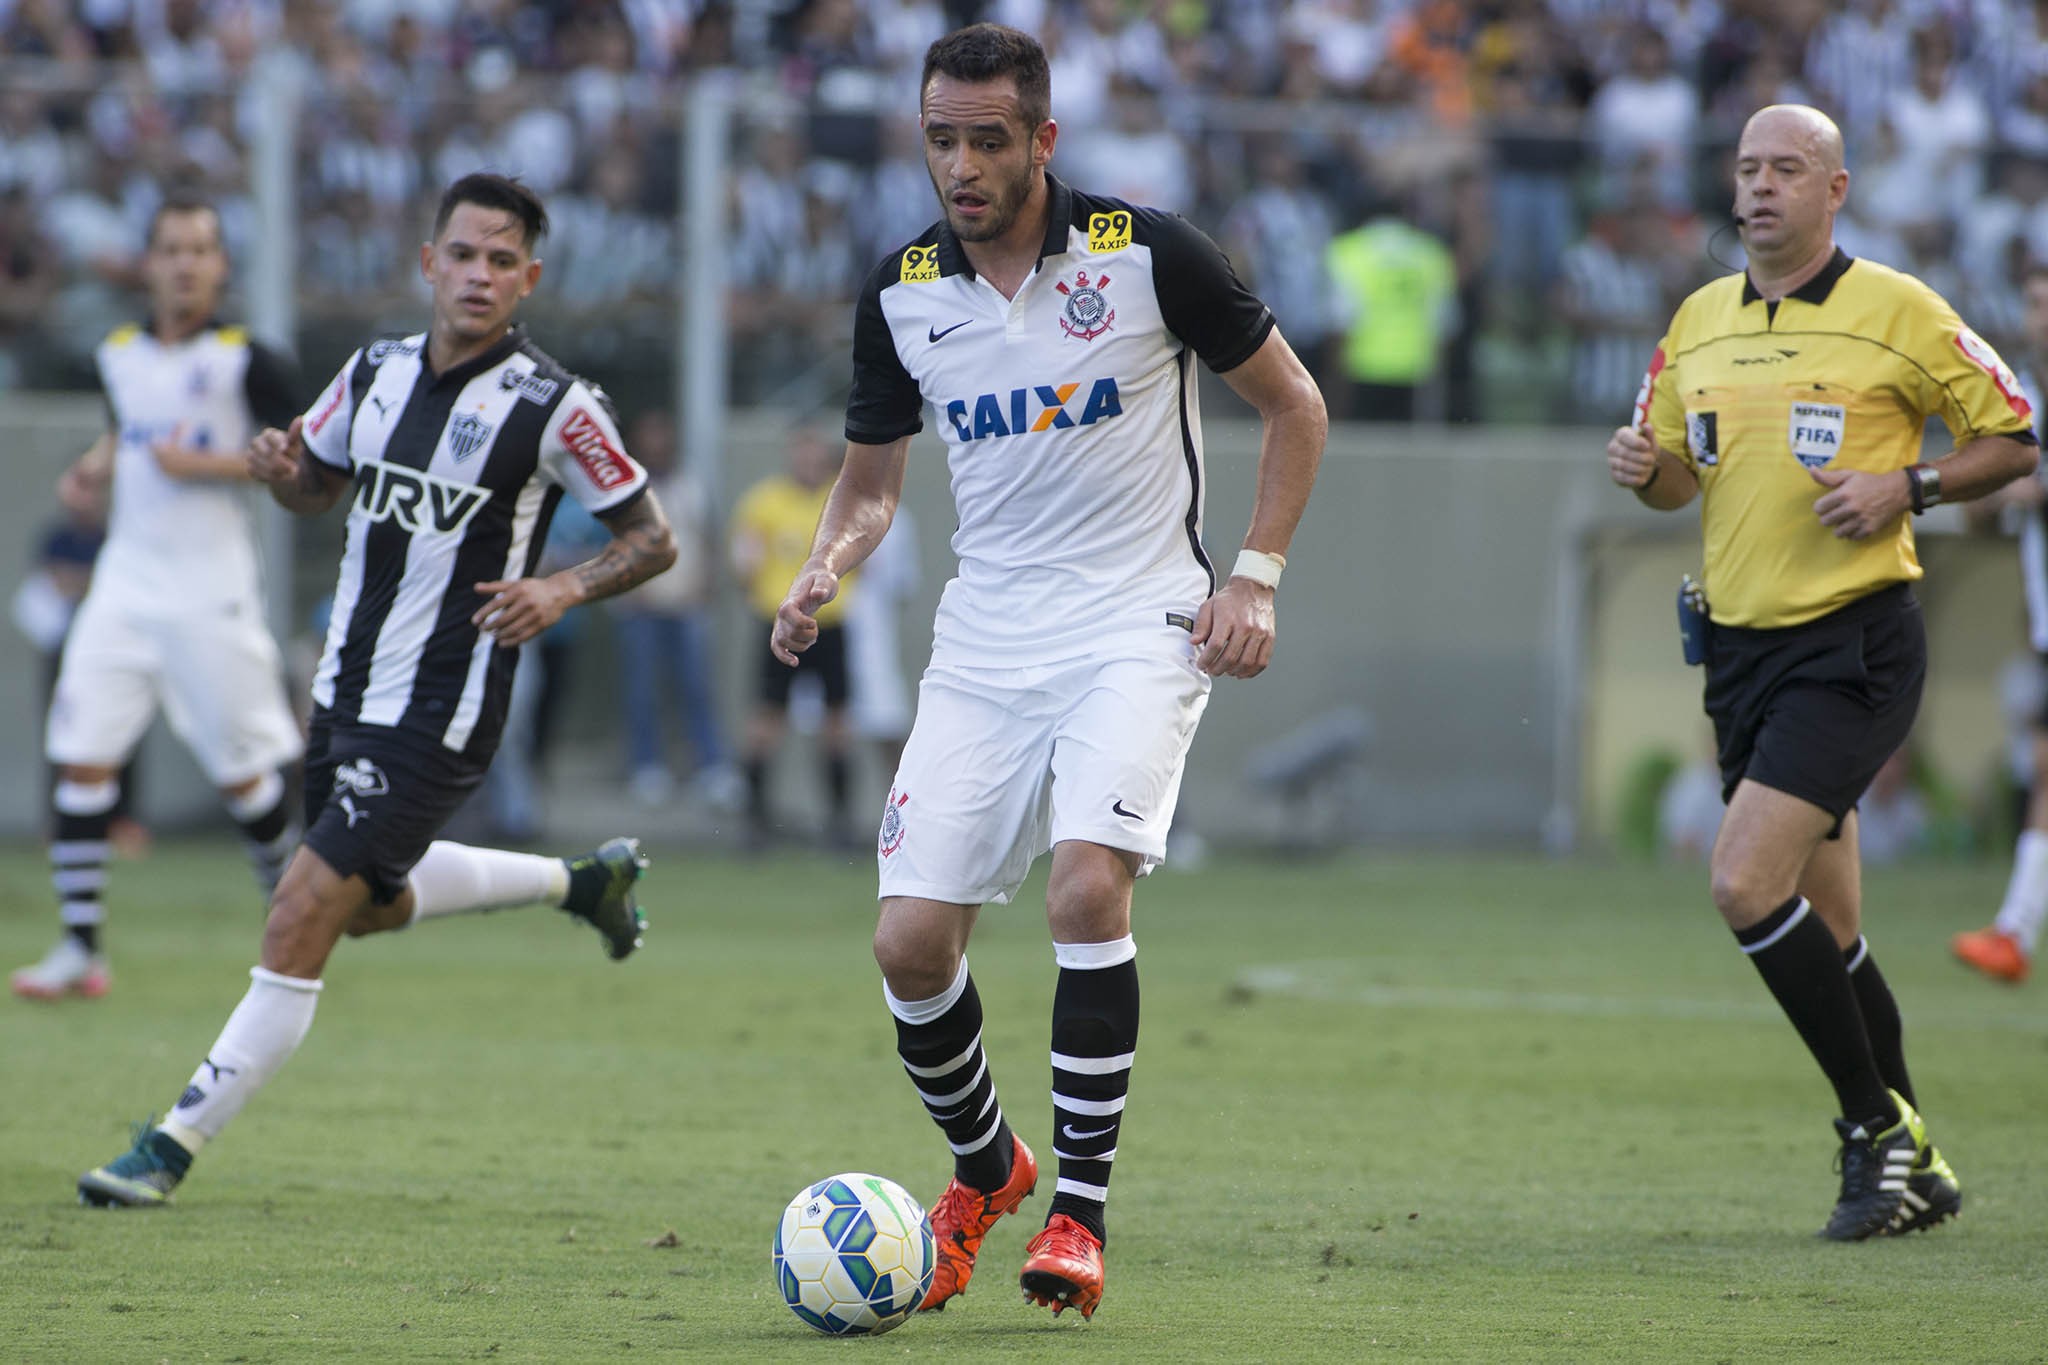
point(1815, 290)
point(475, 365)
point(1059, 217)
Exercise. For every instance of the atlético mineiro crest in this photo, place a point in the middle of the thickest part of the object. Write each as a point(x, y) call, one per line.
point(892, 824)
point(1088, 313)
point(466, 436)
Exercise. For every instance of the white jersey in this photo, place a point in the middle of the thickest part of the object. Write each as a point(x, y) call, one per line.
point(184, 544)
point(1070, 420)
point(457, 475)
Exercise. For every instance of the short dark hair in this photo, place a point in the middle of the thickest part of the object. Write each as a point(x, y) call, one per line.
point(182, 201)
point(988, 52)
point(487, 189)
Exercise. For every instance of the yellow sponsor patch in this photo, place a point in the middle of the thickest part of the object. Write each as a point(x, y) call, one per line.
point(1109, 231)
point(920, 265)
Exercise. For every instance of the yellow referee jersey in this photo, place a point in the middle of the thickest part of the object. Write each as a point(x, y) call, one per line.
point(1841, 374)
point(782, 515)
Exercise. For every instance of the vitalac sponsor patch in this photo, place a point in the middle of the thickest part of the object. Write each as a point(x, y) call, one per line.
point(601, 460)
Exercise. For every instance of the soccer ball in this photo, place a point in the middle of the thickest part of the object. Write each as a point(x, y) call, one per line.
point(854, 1255)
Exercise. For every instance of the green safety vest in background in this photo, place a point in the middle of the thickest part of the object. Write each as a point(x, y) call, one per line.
point(1394, 285)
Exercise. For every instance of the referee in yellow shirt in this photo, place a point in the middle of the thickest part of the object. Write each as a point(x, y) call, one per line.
point(771, 538)
point(1792, 398)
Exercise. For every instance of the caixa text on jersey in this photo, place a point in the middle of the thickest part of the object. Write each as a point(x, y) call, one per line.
point(1039, 407)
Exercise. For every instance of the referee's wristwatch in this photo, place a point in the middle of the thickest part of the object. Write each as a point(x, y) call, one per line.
point(1923, 481)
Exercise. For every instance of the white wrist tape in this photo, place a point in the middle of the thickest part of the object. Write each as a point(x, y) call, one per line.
point(1259, 567)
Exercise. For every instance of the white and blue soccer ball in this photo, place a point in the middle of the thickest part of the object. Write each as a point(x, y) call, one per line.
point(854, 1255)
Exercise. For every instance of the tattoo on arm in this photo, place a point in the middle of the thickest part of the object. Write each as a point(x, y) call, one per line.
point(641, 547)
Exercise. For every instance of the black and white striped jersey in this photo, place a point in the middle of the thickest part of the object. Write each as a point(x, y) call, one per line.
point(1069, 413)
point(456, 476)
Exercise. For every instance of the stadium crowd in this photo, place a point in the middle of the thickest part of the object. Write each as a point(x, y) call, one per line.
point(1472, 209)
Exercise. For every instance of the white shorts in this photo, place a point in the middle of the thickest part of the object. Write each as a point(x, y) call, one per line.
point(216, 673)
point(1003, 763)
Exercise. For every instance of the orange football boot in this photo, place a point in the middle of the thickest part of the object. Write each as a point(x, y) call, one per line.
point(963, 1216)
point(1993, 952)
point(1063, 1268)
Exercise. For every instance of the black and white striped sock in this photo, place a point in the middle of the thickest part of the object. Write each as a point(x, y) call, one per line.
point(1094, 1041)
point(939, 1041)
point(78, 856)
point(267, 832)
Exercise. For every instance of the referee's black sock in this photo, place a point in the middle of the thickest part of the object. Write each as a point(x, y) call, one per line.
point(1881, 1021)
point(1797, 957)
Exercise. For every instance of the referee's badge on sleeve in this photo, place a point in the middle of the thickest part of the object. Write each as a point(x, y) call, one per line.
point(1702, 437)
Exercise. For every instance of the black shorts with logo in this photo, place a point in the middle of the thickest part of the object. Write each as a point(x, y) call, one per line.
point(825, 660)
point(377, 796)
point(1814, 710)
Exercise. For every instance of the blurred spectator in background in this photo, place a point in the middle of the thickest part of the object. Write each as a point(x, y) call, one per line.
point(771, 539)
point(1394, 288)
point(1647, 109)
point(609, 248)
point(31, 154)
point(29, 277)
point(1942, 126)
point(1532, 117)
point(1860, 54)
point(1133, 155)
point(1426, 62)
point(1278, 235)
point(1613, 294)
point(664, 631)
point(96, 232)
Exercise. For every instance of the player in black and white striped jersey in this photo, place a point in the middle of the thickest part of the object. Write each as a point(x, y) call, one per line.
point(458, 443)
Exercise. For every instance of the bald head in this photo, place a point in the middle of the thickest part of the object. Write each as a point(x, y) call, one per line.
point(1789, 185)
point(1799, 124)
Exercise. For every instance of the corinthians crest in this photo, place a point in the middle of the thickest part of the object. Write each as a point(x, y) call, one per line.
point(1088, 313)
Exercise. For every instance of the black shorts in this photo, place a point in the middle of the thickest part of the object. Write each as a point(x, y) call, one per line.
point(1814, 710)
point(825, 660)
point(376, 797)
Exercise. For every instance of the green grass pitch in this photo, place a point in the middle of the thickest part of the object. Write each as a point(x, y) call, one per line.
point(1385, 1108)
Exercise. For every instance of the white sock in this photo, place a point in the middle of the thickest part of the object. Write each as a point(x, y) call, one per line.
point(455, 878)
point(261, 1035)
point(2026, 895)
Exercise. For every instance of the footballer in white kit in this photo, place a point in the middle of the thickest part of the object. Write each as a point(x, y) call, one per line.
point(174, 617)
point(1050, 337)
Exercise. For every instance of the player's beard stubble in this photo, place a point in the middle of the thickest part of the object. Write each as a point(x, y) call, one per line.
point(1005, 198)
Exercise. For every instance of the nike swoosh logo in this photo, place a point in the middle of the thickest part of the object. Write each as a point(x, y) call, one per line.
point(1074, 1134)
point(1118, 807)
point(934, 334)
